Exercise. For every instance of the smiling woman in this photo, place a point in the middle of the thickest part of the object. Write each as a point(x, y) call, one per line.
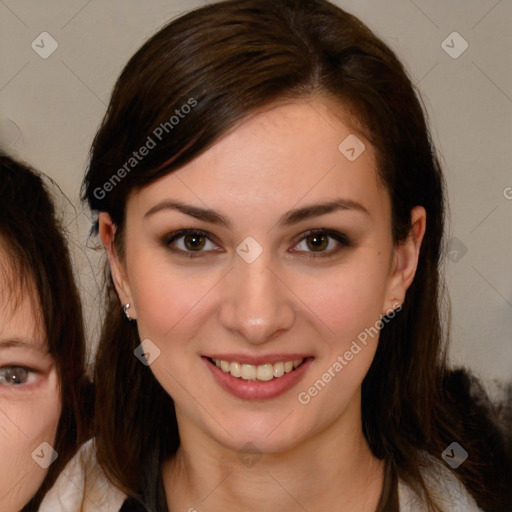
point(43, 387)
point(282, 241)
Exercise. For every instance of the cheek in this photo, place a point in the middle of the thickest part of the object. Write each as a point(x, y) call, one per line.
point(26, 422)
point(339, 303)
point(167, 296)
point(347, 299)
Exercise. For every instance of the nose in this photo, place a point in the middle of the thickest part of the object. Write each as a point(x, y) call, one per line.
point(257, 305)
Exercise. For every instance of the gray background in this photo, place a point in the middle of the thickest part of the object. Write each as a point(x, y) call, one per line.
point(51, 107)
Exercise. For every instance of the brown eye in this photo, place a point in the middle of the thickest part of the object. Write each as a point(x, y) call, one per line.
point(322, 243)
point(190, 243)
point(194, 242)
point(317, 242)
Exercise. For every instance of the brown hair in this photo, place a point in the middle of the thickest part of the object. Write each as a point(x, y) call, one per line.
point(232, 58)
point(39, 259)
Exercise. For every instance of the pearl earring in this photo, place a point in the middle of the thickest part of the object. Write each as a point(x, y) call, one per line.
point(126, 307)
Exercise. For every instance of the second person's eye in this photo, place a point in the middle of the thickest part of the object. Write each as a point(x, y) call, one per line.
point(15, 375)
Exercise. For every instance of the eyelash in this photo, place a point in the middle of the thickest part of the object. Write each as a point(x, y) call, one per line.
point(341, 238)
point(30, 375)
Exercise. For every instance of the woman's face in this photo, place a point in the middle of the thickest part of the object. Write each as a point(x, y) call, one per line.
point(30, 404)
point(288, 259)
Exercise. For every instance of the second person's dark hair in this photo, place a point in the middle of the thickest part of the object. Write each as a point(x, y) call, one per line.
point(38, 254)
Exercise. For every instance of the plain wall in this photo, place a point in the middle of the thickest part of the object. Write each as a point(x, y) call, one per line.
point(51, 107)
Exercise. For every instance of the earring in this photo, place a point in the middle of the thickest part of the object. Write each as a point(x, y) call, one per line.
point(126, 307)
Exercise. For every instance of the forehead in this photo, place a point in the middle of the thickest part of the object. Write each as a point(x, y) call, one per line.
point(20, 313)
point(276, 158)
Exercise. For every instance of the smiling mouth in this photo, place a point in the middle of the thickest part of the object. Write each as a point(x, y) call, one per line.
point(262, 372)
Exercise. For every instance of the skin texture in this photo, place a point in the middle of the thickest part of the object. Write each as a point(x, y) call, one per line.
point(283, 158)
point(30, 409)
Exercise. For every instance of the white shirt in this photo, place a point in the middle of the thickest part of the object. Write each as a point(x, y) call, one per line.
point(83, 473)
point(447, 491)
point(83, 487)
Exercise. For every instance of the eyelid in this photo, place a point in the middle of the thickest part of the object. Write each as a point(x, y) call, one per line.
point(168, 239)
point(342, 239)
point(30, 371)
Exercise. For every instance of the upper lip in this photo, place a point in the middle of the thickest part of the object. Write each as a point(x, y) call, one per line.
point(257, 360)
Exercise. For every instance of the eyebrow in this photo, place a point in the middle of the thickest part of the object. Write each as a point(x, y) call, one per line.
point(292, 217)
point(21, 343)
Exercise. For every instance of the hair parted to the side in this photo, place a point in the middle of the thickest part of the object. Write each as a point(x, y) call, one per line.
point(39, 262)
point(231, 59)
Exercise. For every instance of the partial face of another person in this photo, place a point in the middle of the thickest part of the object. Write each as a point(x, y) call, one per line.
point(30, 402)
point(271, 250)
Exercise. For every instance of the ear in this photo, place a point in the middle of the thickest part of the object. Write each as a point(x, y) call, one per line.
point(405, 261)
point(107, 231)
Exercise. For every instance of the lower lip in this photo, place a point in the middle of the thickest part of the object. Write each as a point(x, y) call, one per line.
point(255, 389)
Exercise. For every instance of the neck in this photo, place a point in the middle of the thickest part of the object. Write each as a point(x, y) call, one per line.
point(333, 470)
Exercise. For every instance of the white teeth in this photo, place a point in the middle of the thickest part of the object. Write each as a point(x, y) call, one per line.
point(278, 369)
point(263, 372)
point(248, 372)
point(235, 369)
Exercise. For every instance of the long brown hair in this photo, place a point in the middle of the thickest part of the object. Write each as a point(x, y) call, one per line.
point(229, 59)
point(38, 254)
